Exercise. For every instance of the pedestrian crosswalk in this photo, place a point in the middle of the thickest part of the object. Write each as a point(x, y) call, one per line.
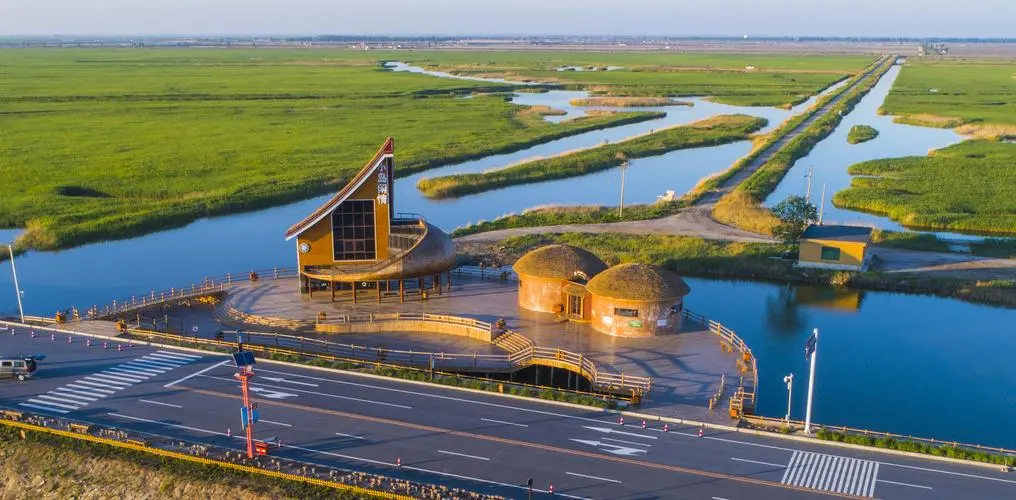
point(90, 389)
point(832, 473)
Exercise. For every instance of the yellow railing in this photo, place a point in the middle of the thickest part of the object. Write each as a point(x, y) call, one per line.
point(205, 461)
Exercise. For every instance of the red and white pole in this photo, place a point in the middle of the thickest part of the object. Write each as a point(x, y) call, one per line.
point(245, 376)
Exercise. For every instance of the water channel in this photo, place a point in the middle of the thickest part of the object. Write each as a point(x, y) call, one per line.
point(908, 364)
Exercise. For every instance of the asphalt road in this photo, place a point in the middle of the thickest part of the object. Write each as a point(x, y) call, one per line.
point(484, 443)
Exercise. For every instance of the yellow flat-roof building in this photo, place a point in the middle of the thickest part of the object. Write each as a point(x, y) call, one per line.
point(835, 247)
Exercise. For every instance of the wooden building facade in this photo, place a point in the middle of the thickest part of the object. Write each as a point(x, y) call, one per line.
point(357, 240)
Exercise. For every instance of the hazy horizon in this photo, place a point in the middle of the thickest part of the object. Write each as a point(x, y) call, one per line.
point(858, 18)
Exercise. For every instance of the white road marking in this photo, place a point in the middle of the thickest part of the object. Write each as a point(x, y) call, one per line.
point(963, 474)
point(503, 422)
point(349, 435)
point(166, 359)
point(59, 392)
point(719, 498)
point(905, 484)
point(462, 455)
point(349, 398)
point(611, 448)
point(111, 379)
point(97, 387)
point(158, 362)
point(195, 374)
point(78, 394)
point(608, 430)
point(832, 473)
point(40, 407)
point(48, 403)
point(626, 442)
point(282, 380)
point(132, 375)
point(188, 357)
point(593, 477)
point(133, 365)
point(160, 403)
point(196, 429)
point(87, 389)
point(757, 462)
point(274, 423)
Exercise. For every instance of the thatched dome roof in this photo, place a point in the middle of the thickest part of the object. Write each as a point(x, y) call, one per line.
point(640, 282)
point(559, 262)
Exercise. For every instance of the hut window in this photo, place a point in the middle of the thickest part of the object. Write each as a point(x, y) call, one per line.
point(628, 313)
point(353, 230)
point(830, 253)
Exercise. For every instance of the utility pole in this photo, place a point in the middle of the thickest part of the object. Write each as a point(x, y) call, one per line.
point(807, 193)
point(810, 348)
point(620, 208)
point(17, 289)
point(821, 208)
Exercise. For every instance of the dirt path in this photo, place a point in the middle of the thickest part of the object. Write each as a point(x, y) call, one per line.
point(945, 265)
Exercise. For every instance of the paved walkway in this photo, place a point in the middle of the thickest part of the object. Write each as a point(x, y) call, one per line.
point(686, 367)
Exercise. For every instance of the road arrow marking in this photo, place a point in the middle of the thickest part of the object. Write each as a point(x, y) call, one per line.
point(611, 448)
point(270, 394)
point(607, 430)
point(281, 380)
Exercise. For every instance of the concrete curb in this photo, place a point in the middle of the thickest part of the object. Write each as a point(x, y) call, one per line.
point(636, 415)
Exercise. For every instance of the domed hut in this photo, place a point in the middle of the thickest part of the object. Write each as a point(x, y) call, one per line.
point(637, 300)
point(552, 279)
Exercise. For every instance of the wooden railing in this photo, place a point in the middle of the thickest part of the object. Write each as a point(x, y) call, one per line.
point(745, 395)
point(205, 287)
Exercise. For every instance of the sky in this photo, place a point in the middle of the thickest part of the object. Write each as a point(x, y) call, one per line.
point(908, 18)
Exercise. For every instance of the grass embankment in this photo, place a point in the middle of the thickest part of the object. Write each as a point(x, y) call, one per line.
point(757, 261)
point(708, 132)
point(968, 187)
point(941, 450)
point(102, 144)
point(557, 215)
point(55, 467)
point(629, 102)
point(861, 133)
point(775, 80)
point(743, 206)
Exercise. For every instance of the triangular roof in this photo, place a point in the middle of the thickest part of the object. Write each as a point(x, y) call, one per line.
point(386, 151)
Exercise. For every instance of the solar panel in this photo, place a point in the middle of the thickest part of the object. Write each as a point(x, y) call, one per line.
point(244, 358)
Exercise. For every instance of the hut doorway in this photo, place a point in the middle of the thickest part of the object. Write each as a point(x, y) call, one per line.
point(575, 306)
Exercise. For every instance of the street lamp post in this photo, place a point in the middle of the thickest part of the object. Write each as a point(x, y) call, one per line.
point(789, 379)
point(811, 351)
point(17, 289)
point(620, 208)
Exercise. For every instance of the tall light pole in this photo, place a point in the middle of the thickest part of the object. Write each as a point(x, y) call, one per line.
point(624, 166)
point(810, 351)
point(789, 379)
point(17, 289)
